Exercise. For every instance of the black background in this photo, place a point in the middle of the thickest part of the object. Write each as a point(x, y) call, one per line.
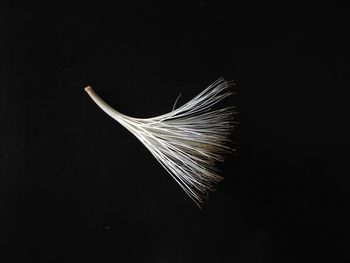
point(75, 186)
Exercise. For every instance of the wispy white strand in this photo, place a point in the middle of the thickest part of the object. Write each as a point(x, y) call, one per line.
point(188, 140)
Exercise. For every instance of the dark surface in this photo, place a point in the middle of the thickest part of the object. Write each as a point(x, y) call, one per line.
point(76, 186)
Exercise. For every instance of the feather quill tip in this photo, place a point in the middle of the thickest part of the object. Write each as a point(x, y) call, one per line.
point(88, 88)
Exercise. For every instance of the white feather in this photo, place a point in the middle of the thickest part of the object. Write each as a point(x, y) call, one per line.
point(188, 140)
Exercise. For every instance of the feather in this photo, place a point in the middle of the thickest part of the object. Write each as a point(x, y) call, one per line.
point(187, 141)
